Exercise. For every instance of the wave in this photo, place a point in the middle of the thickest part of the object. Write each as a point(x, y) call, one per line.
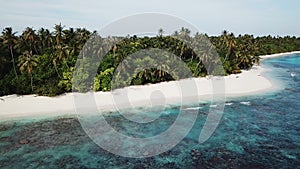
point(193, 108)
point(293, 74)
point(246, 103)
point(228, 104)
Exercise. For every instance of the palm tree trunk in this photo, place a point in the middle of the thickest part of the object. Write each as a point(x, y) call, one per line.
point(56, 71)
point(67, 65)
point(13, 60)
point(181, 51)
point(36, 51)
point(31, 82)
point(229, 51)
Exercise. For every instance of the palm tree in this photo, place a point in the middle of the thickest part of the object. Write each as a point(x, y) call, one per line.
point(230, 45)
point(176, 33)
point(9, 40)
point(30, 38)
point(58, 33)
point(61, 53)
point(224, 39)
point(160, 32)
point(27, 62)
point(185, 33)
point(71, 41)
point(3, 59)
point(82, 35)
point(44, 39)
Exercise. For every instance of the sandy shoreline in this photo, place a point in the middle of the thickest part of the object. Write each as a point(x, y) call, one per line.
point(278, 55)
point(247, 83)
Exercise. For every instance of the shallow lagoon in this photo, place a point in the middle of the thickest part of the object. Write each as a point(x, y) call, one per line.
point(261, 131)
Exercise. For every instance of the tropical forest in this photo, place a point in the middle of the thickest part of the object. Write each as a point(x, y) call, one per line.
point(42, 62)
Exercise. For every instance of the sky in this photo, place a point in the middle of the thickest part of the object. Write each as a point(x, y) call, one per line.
point(258, 17)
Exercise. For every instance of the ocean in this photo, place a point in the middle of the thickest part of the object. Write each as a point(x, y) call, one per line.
point(261, 131)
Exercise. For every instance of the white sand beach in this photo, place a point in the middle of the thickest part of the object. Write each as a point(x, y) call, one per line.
point(279, 55)
point(246, 83)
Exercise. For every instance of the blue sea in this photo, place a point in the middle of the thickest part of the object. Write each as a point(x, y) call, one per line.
point(261, 131)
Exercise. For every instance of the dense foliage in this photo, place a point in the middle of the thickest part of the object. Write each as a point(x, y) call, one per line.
point(42, 62)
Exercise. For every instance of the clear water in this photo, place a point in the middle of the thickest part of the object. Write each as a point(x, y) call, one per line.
point(260, 131)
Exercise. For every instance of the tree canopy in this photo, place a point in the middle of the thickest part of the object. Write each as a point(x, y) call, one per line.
point(42, 61)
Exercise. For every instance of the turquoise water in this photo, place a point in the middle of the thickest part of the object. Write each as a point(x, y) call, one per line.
point(260, 131)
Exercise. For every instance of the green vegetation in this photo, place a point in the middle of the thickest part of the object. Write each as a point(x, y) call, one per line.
point(42, 62)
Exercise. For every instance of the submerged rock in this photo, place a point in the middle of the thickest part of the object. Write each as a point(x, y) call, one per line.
point(195, 153)
point(6, 126)
point(24, 141)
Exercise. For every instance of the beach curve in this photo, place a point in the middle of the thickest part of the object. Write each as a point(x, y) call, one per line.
point(249, 82)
